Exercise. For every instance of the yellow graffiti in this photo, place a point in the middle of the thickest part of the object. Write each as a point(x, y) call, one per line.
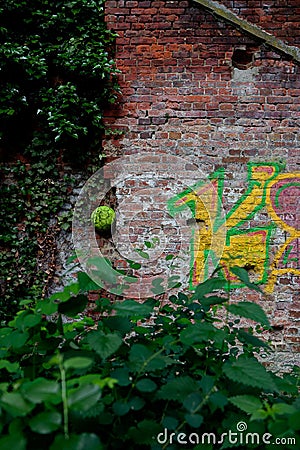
point(205, 203)
point(245, 246)
point(246, 250)
point(258, 176)
point(288, 180)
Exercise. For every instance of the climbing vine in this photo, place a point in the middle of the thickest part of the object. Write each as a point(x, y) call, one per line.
point(57, 77)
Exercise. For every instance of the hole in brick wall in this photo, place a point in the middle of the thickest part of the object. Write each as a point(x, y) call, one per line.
point(277, 327)
point(249, 267)
point(242, 58)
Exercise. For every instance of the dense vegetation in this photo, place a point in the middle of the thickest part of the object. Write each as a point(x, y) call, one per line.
point(143, 372)
point(57, 75)
point(144, 369)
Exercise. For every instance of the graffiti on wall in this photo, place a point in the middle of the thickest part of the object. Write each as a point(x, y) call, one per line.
point(272, 200)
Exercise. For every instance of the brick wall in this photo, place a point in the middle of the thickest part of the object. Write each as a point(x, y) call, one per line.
point(182, 95)
point(280, 17)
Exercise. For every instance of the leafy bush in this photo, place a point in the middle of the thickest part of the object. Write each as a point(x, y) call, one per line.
point(57, 77)
point(57, 74)
point(143, 371)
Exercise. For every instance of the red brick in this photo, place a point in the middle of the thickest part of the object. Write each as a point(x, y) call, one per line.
point(179, 96)
point(174, 135)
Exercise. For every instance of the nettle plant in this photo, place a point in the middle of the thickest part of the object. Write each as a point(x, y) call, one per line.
point(57, 77)
point(146, 375)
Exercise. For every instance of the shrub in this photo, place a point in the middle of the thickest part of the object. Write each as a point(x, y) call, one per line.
point(57, 77)
point(144, 370)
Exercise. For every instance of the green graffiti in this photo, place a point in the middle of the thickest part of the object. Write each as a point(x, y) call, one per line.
point(245, 246)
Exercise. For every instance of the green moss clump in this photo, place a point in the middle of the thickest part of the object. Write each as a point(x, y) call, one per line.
point(102, 218)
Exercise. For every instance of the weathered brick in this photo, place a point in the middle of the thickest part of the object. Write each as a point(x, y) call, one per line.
point(179, 96)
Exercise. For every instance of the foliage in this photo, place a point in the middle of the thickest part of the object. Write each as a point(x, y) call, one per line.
point(57, 76)
point(143, 369)
point(57, 73)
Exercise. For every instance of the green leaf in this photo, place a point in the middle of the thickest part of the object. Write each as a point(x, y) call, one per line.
point(249, 372)
point(207, 383)
point(260, 414)
point(178, 388)
point(146, 385)
point(86, 283)
point(14, 339)
point(210, 285)
point(294, 421)
point(84, 397)
point(15, 441)
point(250, 311)
point(10, 367)
point(201, 332)
point(174, 281)
point(143, 254)
point(46, 307)
point(194, 420)
point(243, 275)
point(78, 362)
point(157, 286)
point(65, 226)
point(138, 356)
point(122, 375)
point(46, 422)
point(142, 359)
point(41, 390)
point(27, 320)
point(92, 378)
point(283, 408)
point(121, 408)
point(170, 422)
point(15, 404)
point(144, 432)
point(73, 306)
point(250, 339)
point(66, 294)
point(84, 441)
point(218, 400)
point(104, 344)
point(192, 401)
point(136, 403)
point(169, 257)
point(213, 300)
point(183, 298)
point(247, 403)
point(116, 323)
point(132, 308)
point(134, 265)
point(71, 259)
point(287, 384)
point(279, 428)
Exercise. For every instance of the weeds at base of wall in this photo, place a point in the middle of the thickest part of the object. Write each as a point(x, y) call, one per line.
point(142, 369)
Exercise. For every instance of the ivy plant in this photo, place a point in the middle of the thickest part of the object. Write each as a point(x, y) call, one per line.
point(145, 375)
point(57, 77)
point(57, 73)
